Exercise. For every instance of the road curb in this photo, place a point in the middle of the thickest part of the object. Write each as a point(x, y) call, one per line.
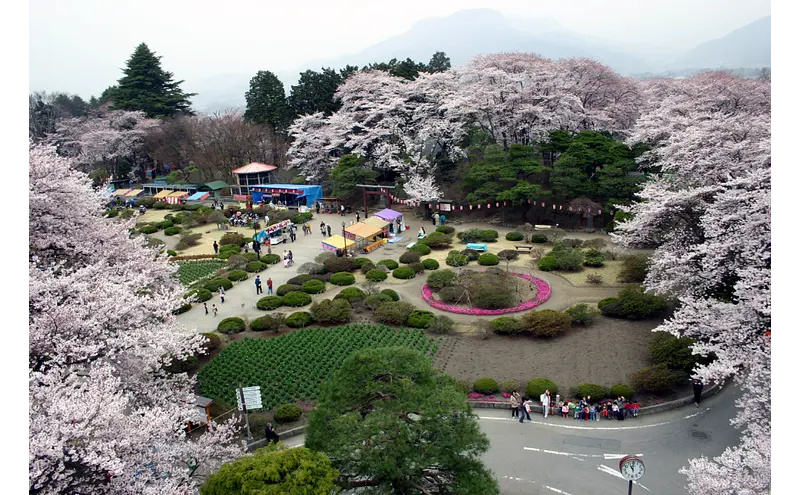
point(281, 436)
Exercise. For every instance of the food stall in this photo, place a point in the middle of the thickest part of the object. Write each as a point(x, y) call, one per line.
point(273, 232)
point(395, 219)
point(367, 237)
point(380, 223)
point(163, 194)
point(336, 244)
point(176, 197)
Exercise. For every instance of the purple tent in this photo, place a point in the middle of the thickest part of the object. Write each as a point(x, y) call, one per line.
point(388, 214)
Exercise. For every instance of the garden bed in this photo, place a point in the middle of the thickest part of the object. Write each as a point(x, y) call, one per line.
point(542, 294)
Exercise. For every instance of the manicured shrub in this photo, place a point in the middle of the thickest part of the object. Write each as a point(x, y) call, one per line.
point(464, 386)
point(300, 279)
point(342, 278)
point(153, 242)
point(323, 256)
point(514, 236)
point(287, 288)
point(201, 294)
point(213, 341)
point(410, 257)
point(172, 230)
point(299, 319)
point(372, 302)
point(390, 264)
point(653, 379)
point(337, 265)
point(231, 325)
point(568, 259)
point(538, 238)
point(351, 295)
point(635, 304)
point(456, 260)
point(508, 254)
point(488, 259)
point(392, 294)
point(488, 297)
point(237, 275)
point(620, 390)
point(436, 240)
point(417, 267)
point(214, 284)
point(225, 254)
point(508, 386)
point(452, 294)
point(250, 256)
point(255, 266)
point(366, 267)
point(269, 303)
point(403, 273)
point(376, 275)
point(271, 259)
point(430, 264)
point(160, 205)
point(233, 238)
point(675, 352)
point(506, 325)
point(547, 263)
point(609, 306)
point(546, 323)
point(470, 235)
point(302, 218)
point(485, 386)
point(267, 323)
point(182, 309)
point(489, 235)
point(296, 299)
point(538, 386)
point(419, 318)
point(422, 249)
point(394, 313)
point(112, 213)
point(362, 261)
point(593, 390)
point(171, 253)
point(594, 258)
point(634, 269)
point(237, 261)
point(286, 413)
point(572, 243)
point(594, 244)
point(164, 224)
point(582, 314)
point(313, 286)
point(445, 229)
point(441, 324)
point(471, 254)
point(327, 311)
point(441, 278)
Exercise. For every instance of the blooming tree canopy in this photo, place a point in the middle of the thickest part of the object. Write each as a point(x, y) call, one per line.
point(709, 215)
point(419, 188)
point(104, 415)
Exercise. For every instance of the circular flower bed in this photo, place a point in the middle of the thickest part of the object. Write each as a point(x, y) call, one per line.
point(542, 294)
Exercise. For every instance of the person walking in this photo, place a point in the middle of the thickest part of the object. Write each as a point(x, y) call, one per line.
point(257, 247)
point(258, 284)
point(433, 219)
point(214, 309)
point(527, 407)
point(317, 207)
point(358, 217)
point(270, 435)
point(545, 399)
point(329, 230)
point(269, 286)
point(222, 294)
point(322, 228)
point(698, 391)
point(515, 401)
point(205, 306)
point(216, 247)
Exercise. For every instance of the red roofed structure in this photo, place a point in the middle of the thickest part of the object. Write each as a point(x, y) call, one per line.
point(252, 174)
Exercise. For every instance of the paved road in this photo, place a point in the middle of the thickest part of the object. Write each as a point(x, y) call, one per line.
point(569, 457)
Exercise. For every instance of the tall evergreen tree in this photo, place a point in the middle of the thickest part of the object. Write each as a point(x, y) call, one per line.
point(266, 102)
point(440, 62)
point(149, 88)
point(315, 91)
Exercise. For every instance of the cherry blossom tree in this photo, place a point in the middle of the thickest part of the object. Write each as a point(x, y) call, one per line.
point(708, 213)
point(104, 415)
point(419, 188)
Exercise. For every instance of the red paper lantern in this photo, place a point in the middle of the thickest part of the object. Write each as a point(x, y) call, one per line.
point(497, 204)
point(560, 207)
point(470, 207)
point(489, 206)
point(554, 207)
point(461, 207)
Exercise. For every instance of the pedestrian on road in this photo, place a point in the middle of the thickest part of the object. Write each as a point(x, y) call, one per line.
point(214, 309)
point(358, 217)
point(698, 391)
point(216, 248)
point(205, 306)
point(269, 286)
point(270, 435)
point(258, 284)
point(545, 399)
point(433, 219)
point(515, 400)
point(527, 407)
point(322, 228)
point(329, 230)
point(317, 206)
point(222, 294)
point(522, 410)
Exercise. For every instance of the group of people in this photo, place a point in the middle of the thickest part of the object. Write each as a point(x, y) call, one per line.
point(585, 409)
point(258, 286)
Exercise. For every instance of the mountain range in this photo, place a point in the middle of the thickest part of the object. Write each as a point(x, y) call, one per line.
point(468, 33)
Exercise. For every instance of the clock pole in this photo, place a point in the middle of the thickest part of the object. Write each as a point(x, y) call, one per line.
point(630, 486)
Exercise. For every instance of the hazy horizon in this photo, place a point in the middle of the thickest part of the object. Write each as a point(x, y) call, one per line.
point(80, 46)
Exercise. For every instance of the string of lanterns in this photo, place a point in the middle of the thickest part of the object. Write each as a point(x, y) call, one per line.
point(488, 206)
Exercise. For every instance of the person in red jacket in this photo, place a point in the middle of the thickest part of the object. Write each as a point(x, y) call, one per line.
point(269, 286)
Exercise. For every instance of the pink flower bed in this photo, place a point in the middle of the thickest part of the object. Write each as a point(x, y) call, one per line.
point(542, 294)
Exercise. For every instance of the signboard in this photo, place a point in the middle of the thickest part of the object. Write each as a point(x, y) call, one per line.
point(252, 397)
point(278, 226)
point(444, 206)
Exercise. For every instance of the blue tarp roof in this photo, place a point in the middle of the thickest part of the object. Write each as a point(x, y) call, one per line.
point(312, 193)
point(197, 195)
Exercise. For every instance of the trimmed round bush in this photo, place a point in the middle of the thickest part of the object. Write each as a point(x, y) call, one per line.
point(456, 260)
point(164, 224)
point(300, 279)
point(417, 267)
point(653, 379)
point(372, 302)
point(182, 309)
point(327, 311)
point(488, 259)
point(228, 253)
point(441, 324)
point(323, 256)
point(593, 390)
point(422, 249)
point(594, 258)
point(430, 264)
point(508, 254)
point(351, 295)
point(437, 240)
point(538, 238)
point(514, 236)
point(250, 256)
point(287, 288)
point(471, 254)
point(538, 386)
point(582, 314)
point(148, 229)
point(269, 303)
point(547, 263)
point(390, 264)
point(299, 319)
point(635, 304)
point(489, 235)
point(343, 278)
point(485, 385)
point(609, 306)
point(621, 390)
point(213, 341)
point(255, 266)
point(376, 275)
point(214, 284)
point(506, 325)
point(446, 229)
point(362, 261)
point(313, 286)
point(172, 230)
point(311, 268)
point(419, 318)
point(237, 275)
point(202, 294)
point(231, 325)
point(112, 213)
point(270, 259)
point(233, 238)
point(452, 294)
point(171, 253)
point(267, 323)
point(394, 313)
point(488, 297)
point(441, 278)
point(676, 353)
point(296, 299)
point(336, 265)
point(410, 257)
point(546, 323)
point(391, 293)
point(286, 413)
point(403, 273)
point(464, 386)
point(367, 267)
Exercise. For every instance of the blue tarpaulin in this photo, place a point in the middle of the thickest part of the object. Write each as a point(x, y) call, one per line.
point(311, 193)
point(198, 196)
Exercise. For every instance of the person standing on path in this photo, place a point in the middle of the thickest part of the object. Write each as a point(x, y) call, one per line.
point(545, 399)
point(322, 228)
point(222, 294)
point(358, 217)
point(527, 407)
point(258, 284)
point(698, 392)
point(214, 309)
point(329, 230)
point(269, 286)
point(521, 410)
point(515, 401)
point(433, 219)
point(205, 306)
point(216, 247)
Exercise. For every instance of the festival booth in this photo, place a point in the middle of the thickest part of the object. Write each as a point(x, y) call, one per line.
point(121, 192)
point(286, 194)
point(199, 196)
point(274, 233)
point(201, 414)
point(337, 243)
point(176, 197)
point(367, 237)
point(395, 219)
point(380, 223)
point(134, 193)
point(163, 194)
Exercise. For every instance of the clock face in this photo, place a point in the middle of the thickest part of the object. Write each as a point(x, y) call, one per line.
point(633, 469)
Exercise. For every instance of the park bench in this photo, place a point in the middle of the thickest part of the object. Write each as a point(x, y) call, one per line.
point(542, 227)
point(477, 246)
point(520, 247)
point(411, 244)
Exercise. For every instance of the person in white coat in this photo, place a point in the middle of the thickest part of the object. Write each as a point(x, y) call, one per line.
point(545, 400)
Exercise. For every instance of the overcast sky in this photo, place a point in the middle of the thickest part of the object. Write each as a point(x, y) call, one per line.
point(79, 46)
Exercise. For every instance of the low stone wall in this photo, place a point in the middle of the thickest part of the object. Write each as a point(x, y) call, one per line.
point(282, 436)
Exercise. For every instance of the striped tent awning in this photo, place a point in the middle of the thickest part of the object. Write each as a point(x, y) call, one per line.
point(121, 192)
point(163, 194)
point(134, 193)
point(178, 194)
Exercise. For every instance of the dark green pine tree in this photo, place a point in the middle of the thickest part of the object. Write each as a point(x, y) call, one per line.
point(149, 88)
point(266, 102)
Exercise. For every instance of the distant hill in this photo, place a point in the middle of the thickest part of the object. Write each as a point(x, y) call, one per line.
point(749, 47)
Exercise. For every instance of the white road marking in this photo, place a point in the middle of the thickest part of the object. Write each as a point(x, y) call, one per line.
point(552, 489)
point(573, 427)
point(614, 472)
point(518, 479)
point(562, 492)
point(578, 459)
point(607, 457)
